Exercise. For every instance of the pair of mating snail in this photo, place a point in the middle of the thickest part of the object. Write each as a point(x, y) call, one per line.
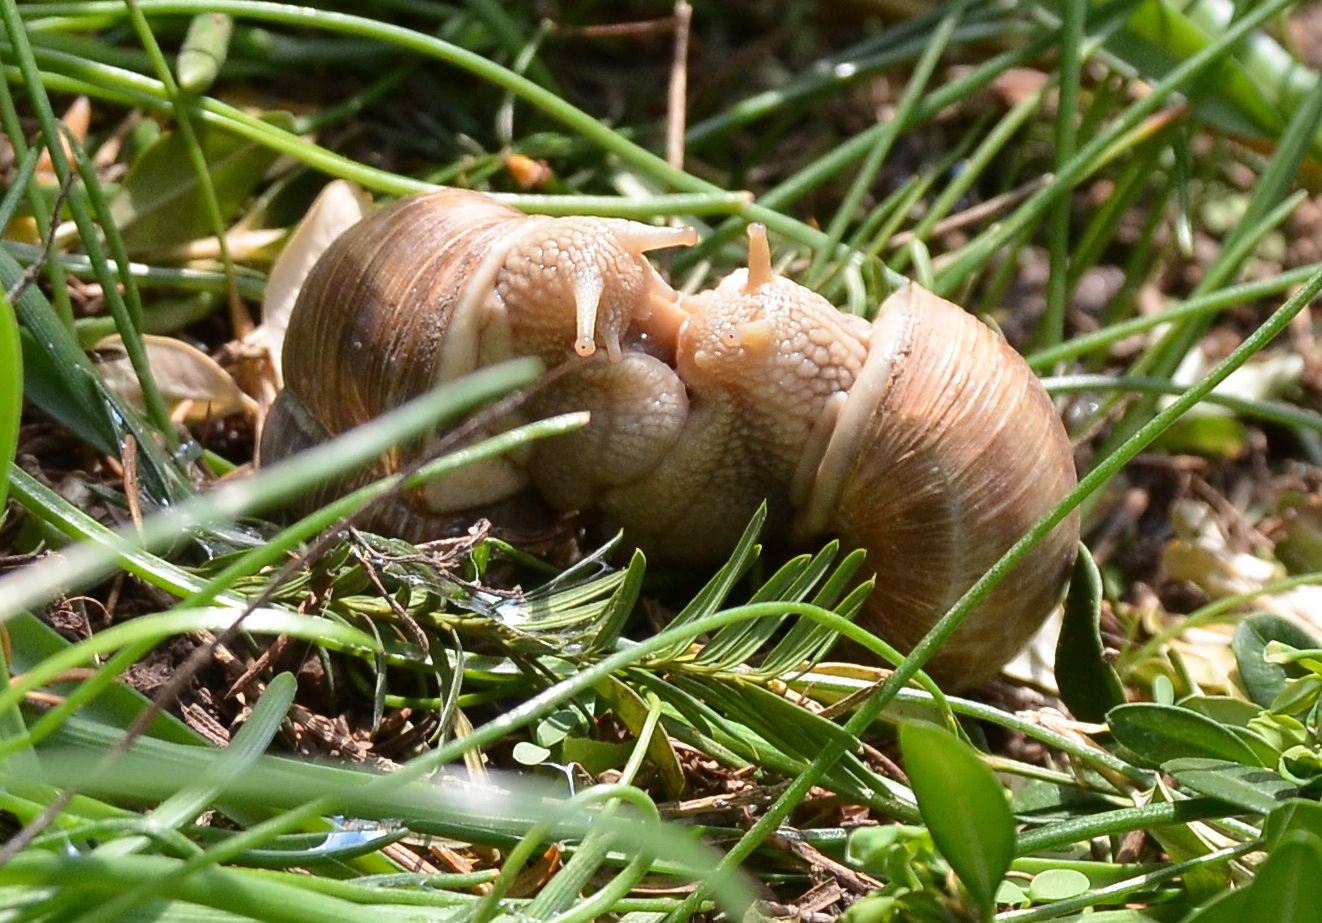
point(921, 436)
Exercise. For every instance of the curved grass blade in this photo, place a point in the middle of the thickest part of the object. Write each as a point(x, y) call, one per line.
point(1287, 889)
point(87, 562)
point(794, 581)
point(60, 379)
point(630, 708)
point(11, 394)
point(620, 607)
point(501, 813)
point(808, 641)
point(709, 599)
point(798, 735)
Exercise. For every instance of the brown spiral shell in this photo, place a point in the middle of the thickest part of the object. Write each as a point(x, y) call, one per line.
point(438, 284)
point(947, 452)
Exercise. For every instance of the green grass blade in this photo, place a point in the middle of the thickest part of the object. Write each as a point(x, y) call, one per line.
point(248, 743)
point(1248, 92)
point(621, 605)
point(181, 807)
point(86, 880)
point(1089, 685)
point(93, 230)
point(1051, 330)
point(807, 641)
point(11, 394)
point(711, 596)
point(60, 380)
point(1095, 151)
point(236, 499)
point(733, 645)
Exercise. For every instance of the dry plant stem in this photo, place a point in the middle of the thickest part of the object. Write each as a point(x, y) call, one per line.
point(38, 264)
point(657, 26)
point(131, 483)
point(974, 214)
point(407, 621)
point(677, 96)
point(855, 881)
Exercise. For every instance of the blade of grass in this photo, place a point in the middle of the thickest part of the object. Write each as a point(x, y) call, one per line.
point(40, 208)
point(914, 89)
point(246, 746)
point(11, 394)
point(1267, 411)
point(1268, 205)
point(181, 109)
point(1051, 329)
point(85, 881)
point(88, 562)
point(1209, 303)
point(1095, 150)
point(904, 42)
point(125, 306)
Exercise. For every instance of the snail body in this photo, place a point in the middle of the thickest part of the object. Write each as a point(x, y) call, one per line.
point(920, 436)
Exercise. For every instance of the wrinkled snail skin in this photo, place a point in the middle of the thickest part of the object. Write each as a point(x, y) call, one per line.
point(766, 364)
point(920, 436)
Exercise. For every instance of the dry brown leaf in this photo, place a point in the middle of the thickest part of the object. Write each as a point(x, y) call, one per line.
point(1201, 554)
point(193, 385)
point(78, 120)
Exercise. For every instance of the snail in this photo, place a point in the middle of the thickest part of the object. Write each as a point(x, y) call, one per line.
point(946, 450)
point(921, 436)
point(438, 284)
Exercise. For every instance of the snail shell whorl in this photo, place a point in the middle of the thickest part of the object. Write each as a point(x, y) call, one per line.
point(962, 454)
point(370, 326)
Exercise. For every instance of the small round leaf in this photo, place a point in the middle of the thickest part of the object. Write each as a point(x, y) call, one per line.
point(1058, 884)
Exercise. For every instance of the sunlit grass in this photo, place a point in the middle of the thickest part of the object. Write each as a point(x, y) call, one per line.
point(110, 819)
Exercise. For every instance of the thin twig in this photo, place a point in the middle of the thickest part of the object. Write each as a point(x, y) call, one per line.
point(677, 97)
point(997, 205)
point(38, 264)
